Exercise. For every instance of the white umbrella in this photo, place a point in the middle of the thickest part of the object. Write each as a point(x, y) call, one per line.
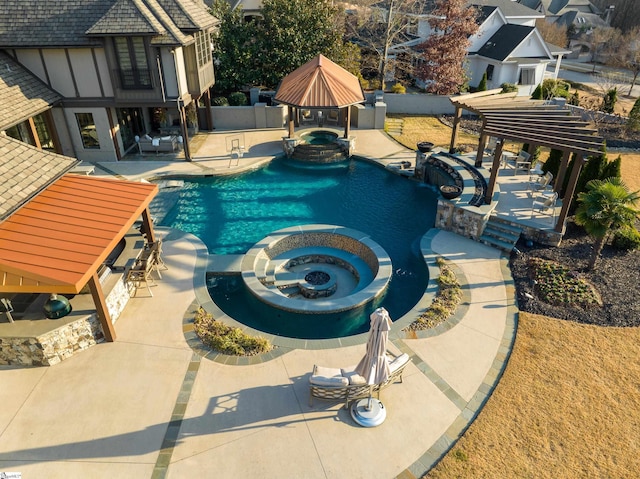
point(374, 367)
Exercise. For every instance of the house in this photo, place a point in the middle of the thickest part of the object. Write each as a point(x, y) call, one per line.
point(581, 14)
point(114, 70)
point(507, 45)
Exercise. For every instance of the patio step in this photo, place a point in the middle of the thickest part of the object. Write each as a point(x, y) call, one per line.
point(393, 126)
point(500, 234)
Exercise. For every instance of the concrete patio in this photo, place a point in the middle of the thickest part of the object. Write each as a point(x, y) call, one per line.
point(149, 405)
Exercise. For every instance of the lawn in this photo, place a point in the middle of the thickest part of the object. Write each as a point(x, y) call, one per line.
point(568, 404)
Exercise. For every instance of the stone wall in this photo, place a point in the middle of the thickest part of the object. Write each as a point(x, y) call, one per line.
point(468, 221)
point(63, 342)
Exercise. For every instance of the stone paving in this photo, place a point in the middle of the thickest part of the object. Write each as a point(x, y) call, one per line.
point(157, 404)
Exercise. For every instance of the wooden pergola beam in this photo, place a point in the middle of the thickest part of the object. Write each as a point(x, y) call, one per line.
point(566, 132)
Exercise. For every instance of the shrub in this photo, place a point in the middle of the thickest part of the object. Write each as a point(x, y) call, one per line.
point(398, 88)
point(553, 162)
point(537, 93)
point(626, 239)
point(509, 87)
point(574, 99)
point(609, 101)
point(220, 101)
point(633, 123)
point(482, 86)
point(238, 99)
point(225, 339)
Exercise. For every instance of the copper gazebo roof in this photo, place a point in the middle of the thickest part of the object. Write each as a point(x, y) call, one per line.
point(320, 83)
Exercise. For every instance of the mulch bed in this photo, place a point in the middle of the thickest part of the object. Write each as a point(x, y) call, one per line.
point(616, 277)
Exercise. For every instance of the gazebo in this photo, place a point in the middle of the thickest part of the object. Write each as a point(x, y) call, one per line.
point(57, 229)
point(320, 83)
point(535, 122)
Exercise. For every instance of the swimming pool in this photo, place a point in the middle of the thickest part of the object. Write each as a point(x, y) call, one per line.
point(231, 214)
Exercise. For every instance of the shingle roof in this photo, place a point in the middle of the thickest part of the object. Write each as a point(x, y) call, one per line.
point(23, 94)
point(504, 41)
point(76, 23)
point(24, 171)
point(320, 83)
point(509, 8)
point(127, 17)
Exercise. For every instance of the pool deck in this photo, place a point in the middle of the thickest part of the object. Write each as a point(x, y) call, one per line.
point(149, 405)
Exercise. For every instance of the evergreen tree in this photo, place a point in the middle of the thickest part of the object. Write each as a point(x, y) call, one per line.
point(553, 162)
point(537, 93)
point(633, 123)
point(612, 169)
point(609, 101)
point(482, 86)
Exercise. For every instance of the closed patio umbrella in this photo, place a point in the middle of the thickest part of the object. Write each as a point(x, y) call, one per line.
point(374, 367)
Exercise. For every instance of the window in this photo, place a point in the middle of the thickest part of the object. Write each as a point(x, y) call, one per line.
point(88, 130)
point(132, 60)
point(44, 135)
point(490, 72)
point(203, 48)
point(21, 133)
point(527, 76)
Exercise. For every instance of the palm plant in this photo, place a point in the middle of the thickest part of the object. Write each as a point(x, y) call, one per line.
point(605, 206)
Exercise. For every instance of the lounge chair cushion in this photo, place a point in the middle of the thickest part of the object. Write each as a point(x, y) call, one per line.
point(354, 378)
point(398, 362)
point(328, 377)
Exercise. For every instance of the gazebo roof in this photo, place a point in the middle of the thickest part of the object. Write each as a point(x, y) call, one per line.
point(57, 241)
point(320, 83)
point(531, 121)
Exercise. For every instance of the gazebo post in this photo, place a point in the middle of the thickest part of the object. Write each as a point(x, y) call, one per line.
point(482, 144)
point(494, 171)
point(101, 308)
point(562, 171)
point(347, 123)
point(454, 131)
point(291, 123)
point(568, 196)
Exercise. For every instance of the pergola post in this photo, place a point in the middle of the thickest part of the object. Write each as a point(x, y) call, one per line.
point(562, 171)
point(482, 144)
point(101, 308)
point(147, 226)
point(568, 196)
point(495, 167)
point(291, 122)
point(454, 131)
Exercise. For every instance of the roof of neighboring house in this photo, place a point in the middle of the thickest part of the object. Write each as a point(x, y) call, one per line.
point(320, 83)
point(77, 23)
point(23, 94)
point(558, 7)
point(24, 171)
point(59, 239)
point(577, 18)
point(509, 8)
point(505, 41)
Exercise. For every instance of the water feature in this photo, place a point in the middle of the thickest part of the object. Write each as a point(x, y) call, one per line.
point(232, 214)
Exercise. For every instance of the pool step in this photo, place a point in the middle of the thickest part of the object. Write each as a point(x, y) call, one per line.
point(321, 153)
point(500, 234)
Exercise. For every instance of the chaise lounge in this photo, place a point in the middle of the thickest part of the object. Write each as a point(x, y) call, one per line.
point(335, 384)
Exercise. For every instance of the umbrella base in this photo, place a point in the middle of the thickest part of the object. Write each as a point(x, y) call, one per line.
point(368, 412)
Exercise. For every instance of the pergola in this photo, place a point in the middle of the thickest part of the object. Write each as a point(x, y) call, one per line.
point(56, 240)
point(320, 83)
point(535, 122)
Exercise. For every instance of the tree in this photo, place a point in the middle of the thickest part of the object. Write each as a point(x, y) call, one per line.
point(633, 123)
point(628, 54)
point(552, 32)
point(380, 28)
point(482, 86)
point(292, 32)
point(609, 101)
point(445, 50)
point(234, 48)
point(606, 206)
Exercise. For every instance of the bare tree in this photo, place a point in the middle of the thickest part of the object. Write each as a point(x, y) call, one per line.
point(628, 54)
point(444, 52)
point(552, 32)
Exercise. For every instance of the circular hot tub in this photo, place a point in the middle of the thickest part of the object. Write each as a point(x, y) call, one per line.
point(317, 269)
point(319, 137)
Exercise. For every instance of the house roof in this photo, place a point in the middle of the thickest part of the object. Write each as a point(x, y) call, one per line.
point(575, 17)
point(510, 8)
point(320, 83)
point(505, 41)
point(78, 23)
point(57, 241)
point(23, 94)
point(24, 171)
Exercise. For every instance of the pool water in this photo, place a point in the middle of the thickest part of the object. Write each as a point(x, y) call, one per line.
point(319, 137)
point(231, 214)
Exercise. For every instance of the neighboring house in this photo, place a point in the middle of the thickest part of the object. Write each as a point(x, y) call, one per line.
point(121, 68)
point(582, 14)
point(507, 45)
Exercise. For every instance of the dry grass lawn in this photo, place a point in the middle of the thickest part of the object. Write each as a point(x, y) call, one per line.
point(568, 405)
point(428, 128)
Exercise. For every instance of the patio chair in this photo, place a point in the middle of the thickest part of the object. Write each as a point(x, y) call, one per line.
point(545, 204)
point(334, 384)
point(522, 163)
point(541, 183)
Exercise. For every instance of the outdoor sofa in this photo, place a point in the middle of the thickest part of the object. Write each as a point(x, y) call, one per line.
point(159, 144)
point(335, 384)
